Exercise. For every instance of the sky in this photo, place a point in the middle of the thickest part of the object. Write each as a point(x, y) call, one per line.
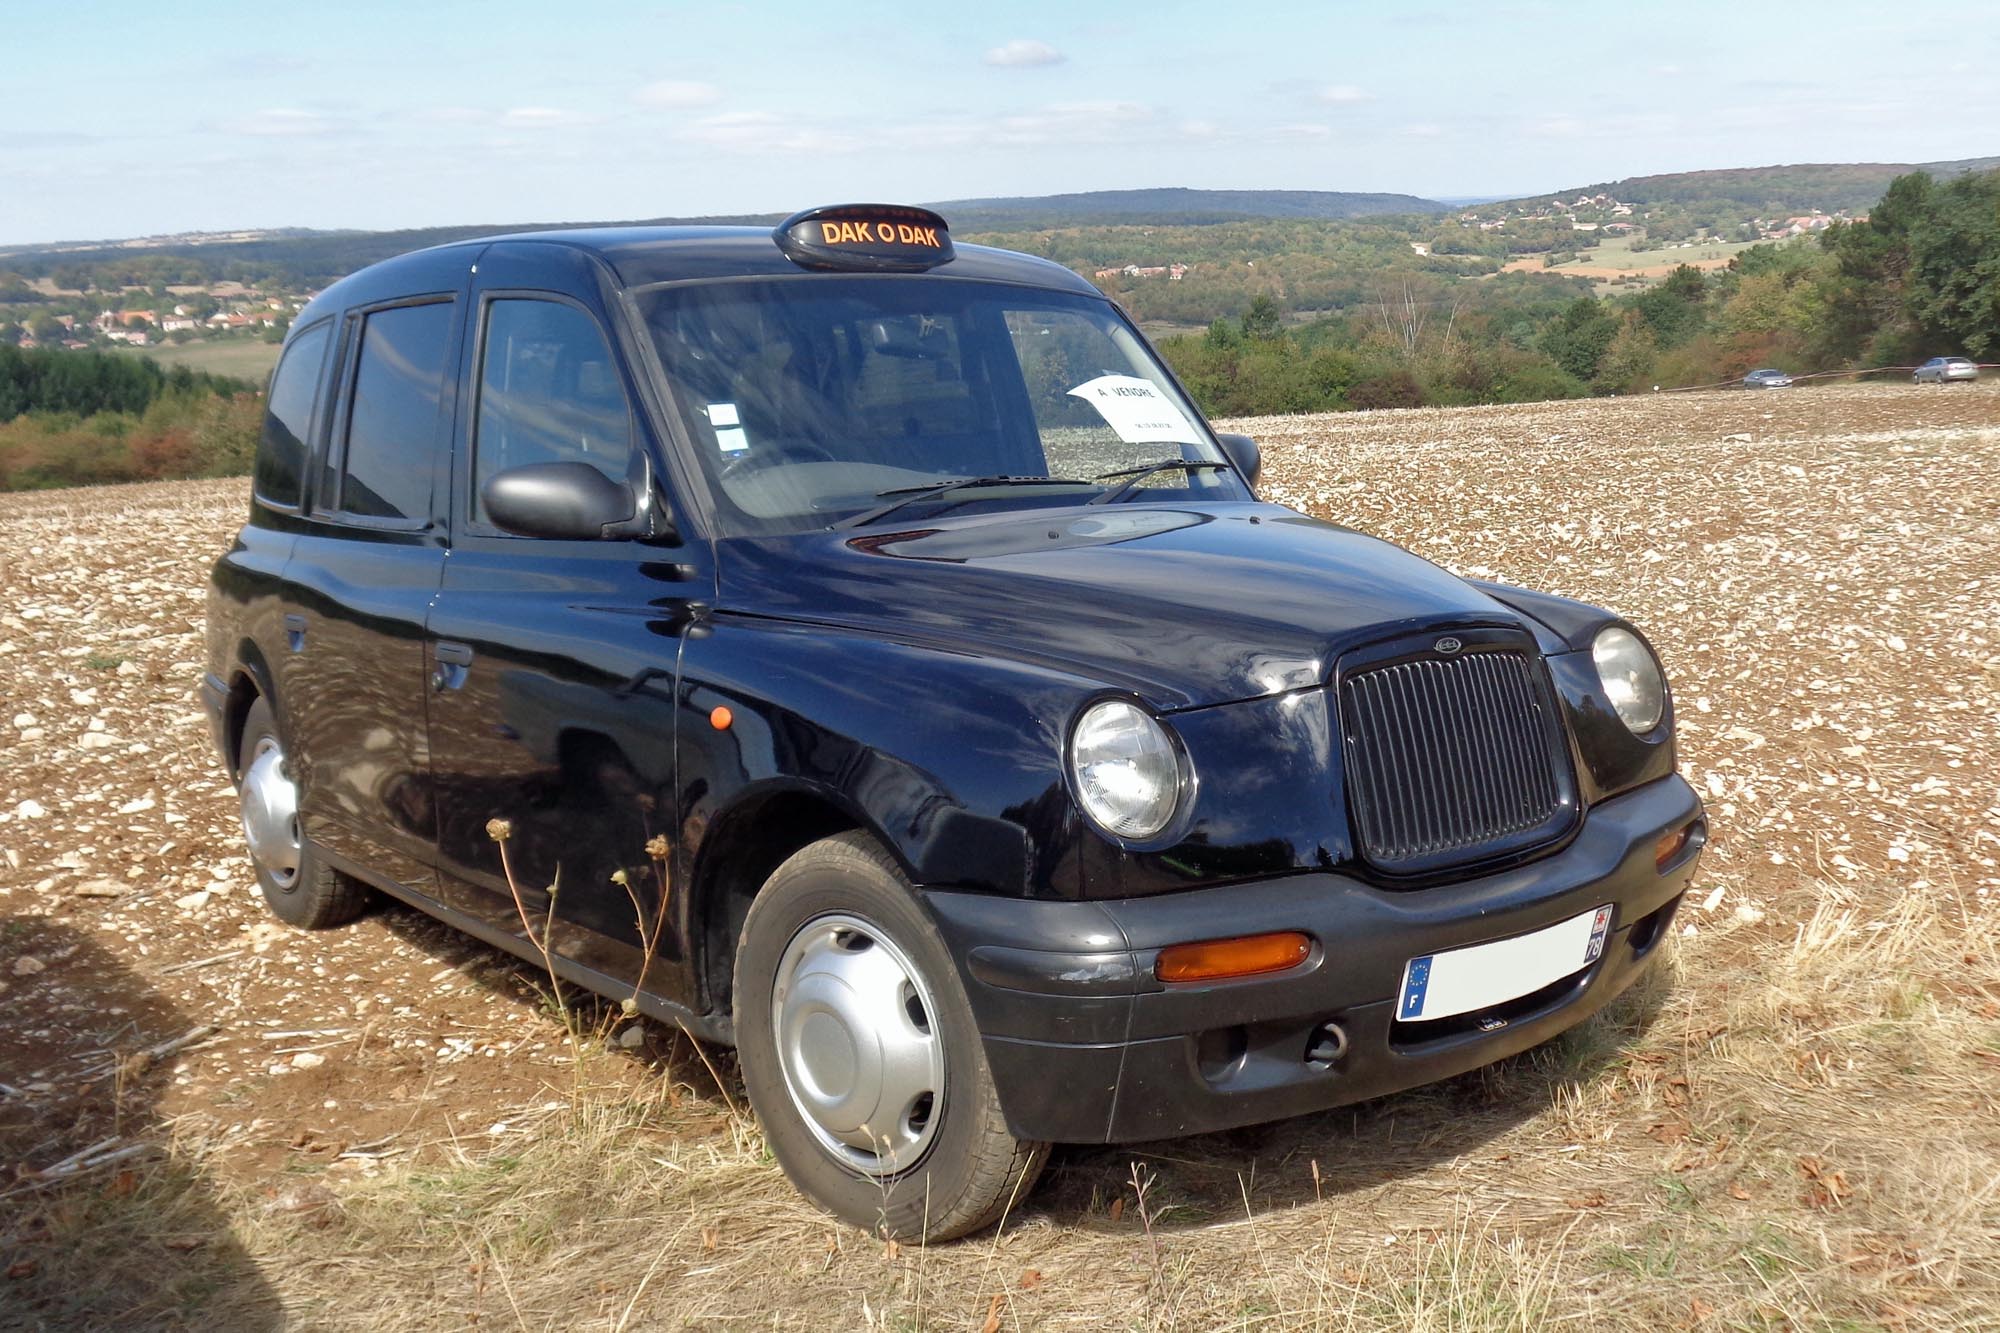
point(129, 119)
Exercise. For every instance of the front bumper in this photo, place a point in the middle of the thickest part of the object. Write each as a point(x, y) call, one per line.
point(1086, 1046)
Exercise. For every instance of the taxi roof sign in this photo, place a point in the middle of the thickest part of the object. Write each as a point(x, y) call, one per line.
point(866, 238)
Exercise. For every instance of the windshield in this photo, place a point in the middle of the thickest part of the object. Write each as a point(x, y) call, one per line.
point(815, 400)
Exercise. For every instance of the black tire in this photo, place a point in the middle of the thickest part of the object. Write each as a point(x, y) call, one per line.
point(972, 1170)
point(317, 897)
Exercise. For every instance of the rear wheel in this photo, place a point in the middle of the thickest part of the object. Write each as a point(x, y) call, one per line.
point(861, 1056)
point(299, 886)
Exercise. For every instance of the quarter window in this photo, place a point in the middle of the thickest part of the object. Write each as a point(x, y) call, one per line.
point(288, 416)
point(549, 392)
point(392, 424)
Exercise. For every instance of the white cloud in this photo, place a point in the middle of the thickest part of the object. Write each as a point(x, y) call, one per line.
point(1557, 127)
point(1024, 53)
point(283, 122)
point(1300, 131)
point(451, 115)
point(542, 118)
point(765, 131)
point(677, 94)
point(1344, 94)
point(1071, 123)
point(1423, 131)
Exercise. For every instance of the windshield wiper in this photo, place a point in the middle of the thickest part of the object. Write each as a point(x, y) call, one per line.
point(1134, 475)
point(909, 495)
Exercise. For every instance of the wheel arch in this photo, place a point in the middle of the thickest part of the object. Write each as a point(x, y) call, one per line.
point(743, 844)
point(249, 681)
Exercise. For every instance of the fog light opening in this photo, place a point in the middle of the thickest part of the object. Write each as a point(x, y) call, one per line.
point(1220, 1051)
point(1244, 956)
point(1326, 1045)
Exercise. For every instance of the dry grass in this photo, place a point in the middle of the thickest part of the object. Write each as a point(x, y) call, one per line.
point(1793, 1125)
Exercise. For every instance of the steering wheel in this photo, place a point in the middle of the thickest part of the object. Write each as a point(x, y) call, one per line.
point(762, 456)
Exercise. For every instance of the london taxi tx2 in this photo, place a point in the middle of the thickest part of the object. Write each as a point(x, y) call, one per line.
point(880, 666)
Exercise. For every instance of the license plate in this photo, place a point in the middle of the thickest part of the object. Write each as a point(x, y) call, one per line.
point(1464, 981)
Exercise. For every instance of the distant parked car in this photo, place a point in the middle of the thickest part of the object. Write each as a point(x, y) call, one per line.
point(1767, 379)
point(1945, 369)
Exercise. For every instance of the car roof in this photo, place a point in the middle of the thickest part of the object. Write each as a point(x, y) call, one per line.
point(641, 256)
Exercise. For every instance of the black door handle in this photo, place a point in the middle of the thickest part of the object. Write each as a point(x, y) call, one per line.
point(454, 661)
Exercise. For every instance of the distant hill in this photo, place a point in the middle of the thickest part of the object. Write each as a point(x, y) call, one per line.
point(314, 258)
point(1824, 185)
point(1173, 207)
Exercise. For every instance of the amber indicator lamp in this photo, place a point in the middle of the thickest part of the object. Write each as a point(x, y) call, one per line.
point(1244, 956)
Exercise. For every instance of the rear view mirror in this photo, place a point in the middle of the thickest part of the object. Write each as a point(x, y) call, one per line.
point(1245, 456)
point(560, 500)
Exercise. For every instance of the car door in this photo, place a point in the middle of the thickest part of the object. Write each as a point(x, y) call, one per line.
point(553, 661)
point(359, 583)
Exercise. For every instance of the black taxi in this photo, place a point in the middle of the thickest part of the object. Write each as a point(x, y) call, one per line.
point(855, 648)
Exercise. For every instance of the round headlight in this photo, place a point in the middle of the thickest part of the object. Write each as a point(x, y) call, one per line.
point(1632, 679)
point(1127, 773)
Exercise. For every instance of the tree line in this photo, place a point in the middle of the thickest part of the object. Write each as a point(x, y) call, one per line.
point(1920, 277)
point(71, 418)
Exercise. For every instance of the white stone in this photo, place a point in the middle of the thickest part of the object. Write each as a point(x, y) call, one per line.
point(27, 967)
point(29, 809)
point(308, 1060)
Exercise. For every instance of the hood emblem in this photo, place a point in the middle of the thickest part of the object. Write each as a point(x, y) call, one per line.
point(1447, 645)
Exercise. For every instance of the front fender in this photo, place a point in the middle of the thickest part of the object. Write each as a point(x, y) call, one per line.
point(953, 760)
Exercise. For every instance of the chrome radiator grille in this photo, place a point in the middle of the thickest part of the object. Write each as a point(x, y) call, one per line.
point(1452, 759)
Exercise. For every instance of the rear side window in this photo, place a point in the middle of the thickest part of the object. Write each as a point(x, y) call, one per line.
point(549, 392)
point(392, 419)
point(288, 416)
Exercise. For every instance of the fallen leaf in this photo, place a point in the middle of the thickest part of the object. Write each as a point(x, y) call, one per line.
point(1031, 1279)
point(992, 1324)
point(1118, 1208)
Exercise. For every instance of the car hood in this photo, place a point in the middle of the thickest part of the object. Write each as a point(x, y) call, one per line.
point(1183, 606)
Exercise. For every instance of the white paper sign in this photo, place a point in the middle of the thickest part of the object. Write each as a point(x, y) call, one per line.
point(1137, 410)
point(729, 436)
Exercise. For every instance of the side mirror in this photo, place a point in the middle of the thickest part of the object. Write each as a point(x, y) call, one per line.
point(1245, 455)
point(561, 500)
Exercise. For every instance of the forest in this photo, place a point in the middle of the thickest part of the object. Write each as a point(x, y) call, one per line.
point(70, 418)
point(1920, 277)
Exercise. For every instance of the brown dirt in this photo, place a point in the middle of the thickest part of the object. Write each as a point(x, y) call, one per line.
point(1796, 1128)
point(1607, 272)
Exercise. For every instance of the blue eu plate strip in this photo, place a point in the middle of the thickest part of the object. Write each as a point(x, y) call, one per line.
point(1416, 979)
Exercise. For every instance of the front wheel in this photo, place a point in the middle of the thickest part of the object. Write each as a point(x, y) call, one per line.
point(860, 1052)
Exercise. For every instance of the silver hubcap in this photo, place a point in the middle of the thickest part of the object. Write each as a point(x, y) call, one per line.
point(858, 1043)
point(271, 813)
